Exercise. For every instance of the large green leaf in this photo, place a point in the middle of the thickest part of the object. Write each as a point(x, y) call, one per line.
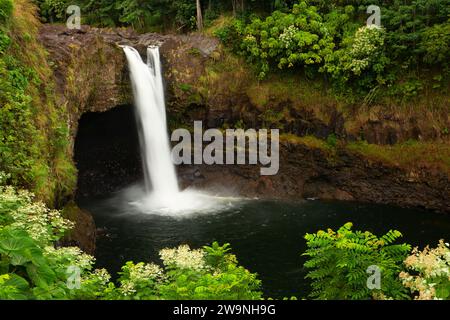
point(41, 275)
point(16, 281)
point(11, 244)
point(14, 288)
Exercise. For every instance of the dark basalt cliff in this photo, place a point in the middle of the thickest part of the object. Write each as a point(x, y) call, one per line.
point(311, 173)
point(92, 76)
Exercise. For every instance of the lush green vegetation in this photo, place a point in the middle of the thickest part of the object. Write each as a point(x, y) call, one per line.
point(330, 40)
point(322, 40)
point(153, 14)
point(30, 120)
point(411, 155)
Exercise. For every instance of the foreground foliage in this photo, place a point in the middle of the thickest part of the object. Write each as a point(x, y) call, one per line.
point(208, 273)
point(33, 266)
point(428, 272)
point(339, 262)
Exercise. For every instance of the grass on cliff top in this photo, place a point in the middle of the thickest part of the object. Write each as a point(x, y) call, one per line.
point(309, 141)
point(408, 155)
point(411, 155)
point(217, 24)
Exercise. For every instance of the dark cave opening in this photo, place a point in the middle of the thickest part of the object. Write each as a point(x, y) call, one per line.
point(107, 152)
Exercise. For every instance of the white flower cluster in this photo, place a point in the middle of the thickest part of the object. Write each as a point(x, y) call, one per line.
point(3, 177)
point(368, 40)
point(144, 271)
point(140, 274)
point(183, 257)
point(250, 38)
point(70, 255)
point(33, 217)
point(288, 36)
point(127, 288)
point(250, 42)
point(101, 275)
point(428, 264)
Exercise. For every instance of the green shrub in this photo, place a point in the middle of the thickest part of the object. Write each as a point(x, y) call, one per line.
point(204, 274)
point(5, 41)
point(330, 39)
point(53, 10)
point(339, 262)
point(6, 10)
point(435, 42)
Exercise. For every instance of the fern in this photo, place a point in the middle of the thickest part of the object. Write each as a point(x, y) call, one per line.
point(338, 262)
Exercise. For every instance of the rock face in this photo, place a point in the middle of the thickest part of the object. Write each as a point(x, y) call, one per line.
point(92, 76)
point(84, 233)
point(311, 173)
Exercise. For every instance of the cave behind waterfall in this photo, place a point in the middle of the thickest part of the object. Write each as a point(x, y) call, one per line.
point(107, 152)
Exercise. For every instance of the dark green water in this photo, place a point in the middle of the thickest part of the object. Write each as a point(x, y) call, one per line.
point(266, 236)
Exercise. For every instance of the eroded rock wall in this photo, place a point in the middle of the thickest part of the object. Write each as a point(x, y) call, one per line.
point(313, 173)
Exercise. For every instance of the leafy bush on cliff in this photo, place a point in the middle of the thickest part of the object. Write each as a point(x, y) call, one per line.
point(53, 10)
point(339, 262)
point(330, 38)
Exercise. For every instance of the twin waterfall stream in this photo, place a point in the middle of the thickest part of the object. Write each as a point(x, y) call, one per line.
point(161, 191)
point(159, 173)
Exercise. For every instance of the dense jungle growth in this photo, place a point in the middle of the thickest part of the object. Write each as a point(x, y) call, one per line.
point(325, 45)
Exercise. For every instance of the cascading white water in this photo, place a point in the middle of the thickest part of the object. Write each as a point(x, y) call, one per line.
point(159, 172)
point(161, 194)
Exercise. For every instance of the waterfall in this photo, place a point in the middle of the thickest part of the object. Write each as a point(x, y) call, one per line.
point(146, 78)
point(161, 194)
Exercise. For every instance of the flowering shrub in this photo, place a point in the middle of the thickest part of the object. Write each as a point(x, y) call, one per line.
point(31, 267)
point(287, 39)
point(138, 281)
point(428, 275)
point(360, 59)
point(208, 273)
point(42, 224)
point(288, 36)
point(367, 44)
point(183, 258)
